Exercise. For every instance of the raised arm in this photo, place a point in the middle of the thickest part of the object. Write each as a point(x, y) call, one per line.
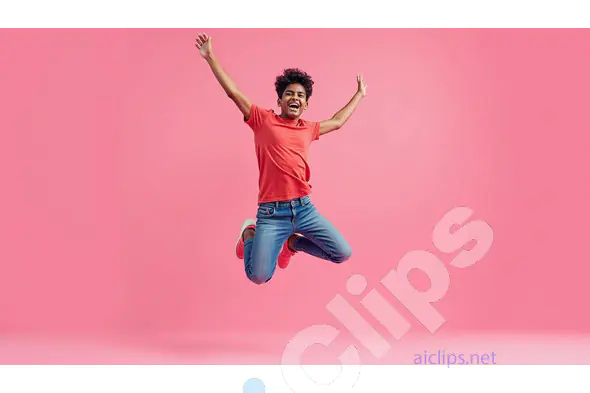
point(338, 120)
point(205, 45)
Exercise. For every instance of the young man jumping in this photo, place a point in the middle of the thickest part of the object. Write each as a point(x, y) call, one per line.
point(286, 221)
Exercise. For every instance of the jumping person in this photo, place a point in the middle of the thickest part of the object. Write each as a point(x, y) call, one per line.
point(286, 221)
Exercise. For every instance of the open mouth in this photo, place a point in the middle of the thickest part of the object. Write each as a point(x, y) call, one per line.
point(294, 106)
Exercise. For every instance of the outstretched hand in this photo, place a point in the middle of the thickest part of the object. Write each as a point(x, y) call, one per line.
point(362, 87)
point(205, 45)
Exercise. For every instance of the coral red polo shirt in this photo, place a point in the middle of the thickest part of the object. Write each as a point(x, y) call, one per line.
point(282, 147)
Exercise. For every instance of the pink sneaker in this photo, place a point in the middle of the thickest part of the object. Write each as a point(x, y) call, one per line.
point(248, 223)
point(285, 256)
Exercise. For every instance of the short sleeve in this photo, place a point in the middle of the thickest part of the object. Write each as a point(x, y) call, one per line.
point(256, 117)
point(315, 131)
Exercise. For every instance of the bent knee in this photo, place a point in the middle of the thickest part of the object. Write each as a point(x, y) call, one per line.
point(342, 255)
point(260, 278)
point(260, 274)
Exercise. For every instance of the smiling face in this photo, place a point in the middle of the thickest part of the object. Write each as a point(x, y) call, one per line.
point(293, 101)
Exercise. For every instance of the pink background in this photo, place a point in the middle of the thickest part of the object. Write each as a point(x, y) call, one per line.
point(126, 173)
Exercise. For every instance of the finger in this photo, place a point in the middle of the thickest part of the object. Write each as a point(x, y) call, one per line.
point(199, 40)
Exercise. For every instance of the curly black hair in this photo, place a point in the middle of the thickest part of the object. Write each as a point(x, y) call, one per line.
point(294, 75)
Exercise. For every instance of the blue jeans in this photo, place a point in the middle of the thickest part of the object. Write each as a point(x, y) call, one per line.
point(276, 222)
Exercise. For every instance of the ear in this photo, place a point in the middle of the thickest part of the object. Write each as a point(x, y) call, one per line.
point(278, 102)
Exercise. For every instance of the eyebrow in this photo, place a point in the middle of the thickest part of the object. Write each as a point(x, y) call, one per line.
point(293, 91)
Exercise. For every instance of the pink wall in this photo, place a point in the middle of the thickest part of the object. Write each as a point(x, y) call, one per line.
point(126, 173)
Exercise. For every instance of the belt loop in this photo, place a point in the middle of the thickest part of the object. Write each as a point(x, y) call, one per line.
point(277, 205)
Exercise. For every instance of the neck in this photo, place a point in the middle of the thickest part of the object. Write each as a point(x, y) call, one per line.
point(286, 117)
